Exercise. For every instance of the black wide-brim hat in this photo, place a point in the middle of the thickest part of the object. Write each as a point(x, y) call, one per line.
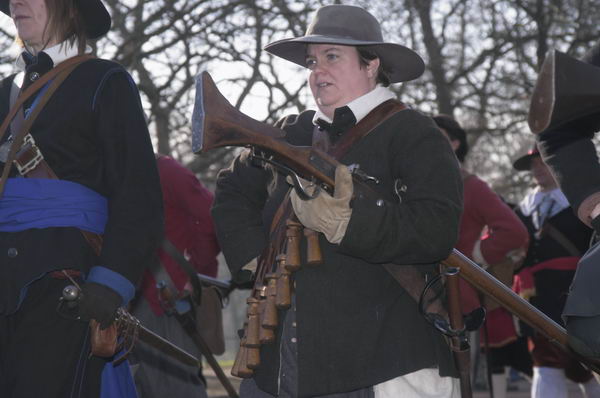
point(523, 162)
point(94, 13)
point(351, 26)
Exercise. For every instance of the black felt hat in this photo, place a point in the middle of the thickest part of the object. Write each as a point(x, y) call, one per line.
point(351, 26)
point(523, 162)
point(94, 13)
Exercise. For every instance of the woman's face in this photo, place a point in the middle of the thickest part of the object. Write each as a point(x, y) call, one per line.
point(337, 76)
point(31, 19)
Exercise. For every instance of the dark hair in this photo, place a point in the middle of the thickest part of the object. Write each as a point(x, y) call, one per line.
point(66, 23)
point(364, 55)
point(455, 132)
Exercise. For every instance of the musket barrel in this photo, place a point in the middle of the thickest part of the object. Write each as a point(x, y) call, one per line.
point(508, 299)
point(482, 281)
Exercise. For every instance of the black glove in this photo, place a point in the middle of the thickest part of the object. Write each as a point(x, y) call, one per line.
point(99, 302)
point(596, 224)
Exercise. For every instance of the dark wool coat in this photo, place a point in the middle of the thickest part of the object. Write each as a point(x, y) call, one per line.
point(356, 327)
point(552, 285)
point(92, 132)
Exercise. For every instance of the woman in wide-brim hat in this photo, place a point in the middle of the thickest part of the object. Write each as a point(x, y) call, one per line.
point(92, 212)
point(349, 313)
point(351, 26)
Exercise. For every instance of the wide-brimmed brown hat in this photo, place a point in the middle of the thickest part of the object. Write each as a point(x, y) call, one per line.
point(523, 162)
point(96, 17)
point(351, 26)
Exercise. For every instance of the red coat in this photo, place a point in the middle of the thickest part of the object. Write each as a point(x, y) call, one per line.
point(488, 219)
point(487, 222)
point(188, 225)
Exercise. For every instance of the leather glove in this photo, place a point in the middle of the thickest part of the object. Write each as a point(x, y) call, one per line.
point(596, 224)
point(99, 302)
point(325, 213)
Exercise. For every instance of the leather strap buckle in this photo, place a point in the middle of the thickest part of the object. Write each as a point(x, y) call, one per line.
point(29, 156)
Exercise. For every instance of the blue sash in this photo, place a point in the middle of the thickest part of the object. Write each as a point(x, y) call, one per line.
point(43, 203)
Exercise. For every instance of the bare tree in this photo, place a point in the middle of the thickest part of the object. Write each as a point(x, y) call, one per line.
point(482, 59)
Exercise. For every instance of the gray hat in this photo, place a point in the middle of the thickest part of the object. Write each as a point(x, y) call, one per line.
point(351, 26)
point(95, 16)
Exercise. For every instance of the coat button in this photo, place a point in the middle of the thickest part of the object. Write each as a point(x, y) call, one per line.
point(380, 203)
point(34, 76)
point(12, 252)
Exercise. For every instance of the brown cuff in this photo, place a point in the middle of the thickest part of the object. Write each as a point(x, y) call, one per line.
point(586, 207)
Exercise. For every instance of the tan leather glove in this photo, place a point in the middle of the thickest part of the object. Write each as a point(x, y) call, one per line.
point(325, 213)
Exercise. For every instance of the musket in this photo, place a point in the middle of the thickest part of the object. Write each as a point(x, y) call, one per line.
point(217, 124)
point(210, 281)
point(508, 299)
point(567, 91)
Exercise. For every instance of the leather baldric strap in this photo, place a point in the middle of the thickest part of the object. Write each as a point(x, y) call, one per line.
point(24, 154)
point(376, 117)
point(277, 232)
point(409, 277)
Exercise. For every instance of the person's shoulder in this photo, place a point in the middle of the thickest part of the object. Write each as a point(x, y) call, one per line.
point(101, 65)
point(169, 165)
point(99, 70)
point(474, 181)
point(414, 126)
point(413, 120)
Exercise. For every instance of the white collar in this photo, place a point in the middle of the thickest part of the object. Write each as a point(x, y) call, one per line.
point(58, 53)
point(536, 196)
point(361, 106)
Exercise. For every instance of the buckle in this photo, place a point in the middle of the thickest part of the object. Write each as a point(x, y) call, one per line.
point(29, 149)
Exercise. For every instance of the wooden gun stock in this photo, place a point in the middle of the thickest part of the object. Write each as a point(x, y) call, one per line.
point(224, 126)
point(567, 91)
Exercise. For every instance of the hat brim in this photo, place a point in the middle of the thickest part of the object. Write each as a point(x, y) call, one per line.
point(524, 162)
point(94, 13)
point(402, 63)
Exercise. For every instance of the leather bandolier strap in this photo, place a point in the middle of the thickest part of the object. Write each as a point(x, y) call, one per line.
point(260, 331)
point(25, 155)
